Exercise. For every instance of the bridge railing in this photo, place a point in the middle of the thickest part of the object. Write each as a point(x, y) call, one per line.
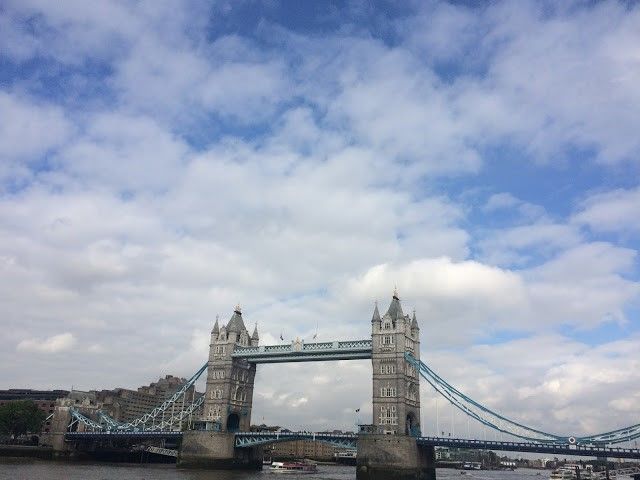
point(249, 439)
point(338, 346)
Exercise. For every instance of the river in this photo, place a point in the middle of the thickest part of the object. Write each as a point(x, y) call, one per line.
point(22, 469)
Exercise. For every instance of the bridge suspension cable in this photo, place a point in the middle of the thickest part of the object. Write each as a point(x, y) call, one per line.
point(503, 424)
point(155, 419)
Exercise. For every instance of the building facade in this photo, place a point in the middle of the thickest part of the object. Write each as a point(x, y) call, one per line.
point(44, 399)
point(229, 392)
point(396, 387)
point(125, 405)
point(299, 449)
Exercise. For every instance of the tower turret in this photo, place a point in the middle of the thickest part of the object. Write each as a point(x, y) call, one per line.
point(414, 324)
point(254, 337)
point(394, 312)
point(215, 331)
point(235, 326)
point(376, 315)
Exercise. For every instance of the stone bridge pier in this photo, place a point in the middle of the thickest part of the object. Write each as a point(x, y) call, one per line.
point(216, 450)
point(394, 457)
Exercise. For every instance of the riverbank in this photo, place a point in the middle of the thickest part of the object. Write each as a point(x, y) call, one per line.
point(26, 451)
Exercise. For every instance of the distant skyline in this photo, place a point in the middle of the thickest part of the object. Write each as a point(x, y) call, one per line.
point(161, 162)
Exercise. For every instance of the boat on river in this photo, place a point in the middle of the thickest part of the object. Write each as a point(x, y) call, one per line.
point(293, 467)
point(571, 471)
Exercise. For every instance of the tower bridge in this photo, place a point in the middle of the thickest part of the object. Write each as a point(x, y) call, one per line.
point(391, 447)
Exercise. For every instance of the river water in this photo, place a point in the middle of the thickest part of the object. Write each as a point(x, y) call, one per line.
point(20, 469)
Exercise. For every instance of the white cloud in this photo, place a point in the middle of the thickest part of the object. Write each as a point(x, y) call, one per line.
point(305, 175)
point(614, 211)
point(96, 348)
point(29, 130)
point(524, 244)
point(55, 344)
point(500, 201)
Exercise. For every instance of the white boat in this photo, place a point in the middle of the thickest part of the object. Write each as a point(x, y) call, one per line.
point(293, 467)
point(571, 471)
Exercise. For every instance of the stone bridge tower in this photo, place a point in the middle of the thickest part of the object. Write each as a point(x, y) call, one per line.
point(396, 390)
point(390, 451)
point(229, 392)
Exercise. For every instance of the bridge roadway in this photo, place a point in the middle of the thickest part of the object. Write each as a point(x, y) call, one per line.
point(557, 448)
point(349, 440)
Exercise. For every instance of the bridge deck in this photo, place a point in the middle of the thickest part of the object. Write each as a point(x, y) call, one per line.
point(250, 439)
point(306, 352)
point(560, 449)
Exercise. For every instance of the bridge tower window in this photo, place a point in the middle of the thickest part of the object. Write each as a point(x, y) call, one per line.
point(217, 393)
point(387, 369)
point(388, 392)
point(388, 415)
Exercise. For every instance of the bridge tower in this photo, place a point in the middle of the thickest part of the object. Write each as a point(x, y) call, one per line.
point(227, 405)
point(396, 388)
point(390, 451)
point(229, 391)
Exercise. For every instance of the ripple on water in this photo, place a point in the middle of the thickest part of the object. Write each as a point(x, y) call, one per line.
point(20, 469)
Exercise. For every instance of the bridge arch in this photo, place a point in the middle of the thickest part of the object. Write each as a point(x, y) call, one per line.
point(233, 422)
point(412, 425)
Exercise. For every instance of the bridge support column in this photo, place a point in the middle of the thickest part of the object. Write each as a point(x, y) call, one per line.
point(55, 439)
point(394, 457)
point(216, 451)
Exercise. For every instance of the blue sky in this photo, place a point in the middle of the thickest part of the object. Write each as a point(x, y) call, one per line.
point(160, 163)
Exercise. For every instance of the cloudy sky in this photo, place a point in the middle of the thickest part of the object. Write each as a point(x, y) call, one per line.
point(161, 162)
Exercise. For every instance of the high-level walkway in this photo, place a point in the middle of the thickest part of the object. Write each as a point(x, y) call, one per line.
point(305, 352)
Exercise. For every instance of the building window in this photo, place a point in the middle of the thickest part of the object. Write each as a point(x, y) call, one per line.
point(387, 368)
point(239, 394)
point(387, 325)
point(388, 415)
point(217, 393)
point(388, 392)
point(412, 391)
point(386, 340)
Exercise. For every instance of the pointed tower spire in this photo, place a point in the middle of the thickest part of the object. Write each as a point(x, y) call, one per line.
point(255, 333)
point(395, 310)
point(376, 314)
point(235, 322)
point(216, 327)
point(414, 322)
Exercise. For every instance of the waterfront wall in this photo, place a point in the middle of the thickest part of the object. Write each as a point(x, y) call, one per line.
point(26, 451)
